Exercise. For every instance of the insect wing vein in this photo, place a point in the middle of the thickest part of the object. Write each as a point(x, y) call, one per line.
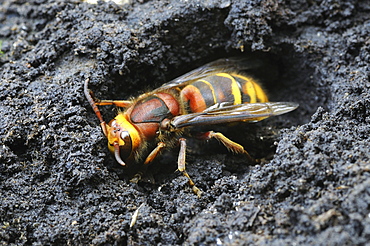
point(233, 64)
point(234, 113)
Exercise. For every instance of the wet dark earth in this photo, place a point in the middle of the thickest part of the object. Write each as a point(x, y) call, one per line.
point(60, 185)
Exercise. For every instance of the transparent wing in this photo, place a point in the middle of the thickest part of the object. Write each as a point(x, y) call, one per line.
point(233, 64)
point(219, 113)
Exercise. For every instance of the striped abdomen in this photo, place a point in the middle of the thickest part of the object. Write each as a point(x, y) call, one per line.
point(221, 87)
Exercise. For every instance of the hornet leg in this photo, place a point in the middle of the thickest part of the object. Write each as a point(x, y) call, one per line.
point(118, 103)
point(147, 161)
point(229, 144)
point(181, 166)
point(154, 153)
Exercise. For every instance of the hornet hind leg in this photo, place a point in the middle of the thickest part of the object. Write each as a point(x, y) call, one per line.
point(229, 144)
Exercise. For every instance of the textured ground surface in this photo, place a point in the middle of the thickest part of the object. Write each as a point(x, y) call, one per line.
point(59, 185)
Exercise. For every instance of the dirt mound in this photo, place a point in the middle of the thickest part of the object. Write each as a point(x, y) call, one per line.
point(59, 184)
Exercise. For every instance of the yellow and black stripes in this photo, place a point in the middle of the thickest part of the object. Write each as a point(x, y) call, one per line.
point(250, 89)
point(221, 87)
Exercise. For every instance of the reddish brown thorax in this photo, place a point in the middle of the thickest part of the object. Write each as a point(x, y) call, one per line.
point(148, 113)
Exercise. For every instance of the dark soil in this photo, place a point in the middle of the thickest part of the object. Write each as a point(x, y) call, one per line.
point(59, 184)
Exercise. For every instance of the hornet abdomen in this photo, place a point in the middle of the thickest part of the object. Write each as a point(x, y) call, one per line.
point(220, 88)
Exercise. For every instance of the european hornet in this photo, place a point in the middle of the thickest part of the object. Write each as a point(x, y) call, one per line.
point(215, 93)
